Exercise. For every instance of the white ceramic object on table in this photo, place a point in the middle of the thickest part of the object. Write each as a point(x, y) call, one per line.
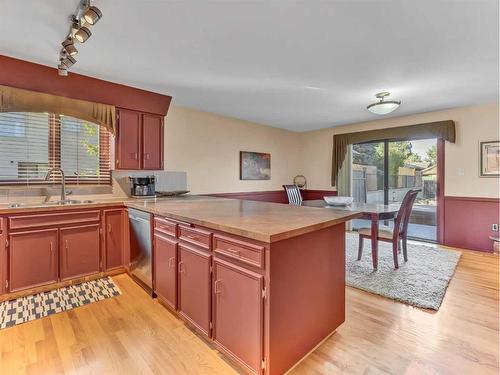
point(338, 201)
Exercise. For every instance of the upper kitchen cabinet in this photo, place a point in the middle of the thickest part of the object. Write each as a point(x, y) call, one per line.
point(139, 140)
point(152, 141)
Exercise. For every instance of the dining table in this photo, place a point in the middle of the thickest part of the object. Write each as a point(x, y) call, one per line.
point(369, 211)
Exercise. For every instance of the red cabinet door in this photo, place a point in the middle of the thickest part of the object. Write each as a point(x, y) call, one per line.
point(152, 141)
point(113, 239)
point(32, 259)
point(79, 251)
point(165, 269)
point(194, 287)
point(238, 314)
point(128, 140)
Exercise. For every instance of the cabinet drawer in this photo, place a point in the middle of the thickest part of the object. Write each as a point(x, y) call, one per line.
point(52, 219)
point(243, 251)
point(165, 226)
point(195, 236)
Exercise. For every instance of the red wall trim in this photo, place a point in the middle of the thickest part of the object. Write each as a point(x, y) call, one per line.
point(275, 196)
point(472, 199)
point(308, 195)
point(468, 222)
point(30, 76)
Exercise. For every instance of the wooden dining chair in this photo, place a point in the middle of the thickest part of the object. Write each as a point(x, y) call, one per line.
point(293, 194)
point(394, 235)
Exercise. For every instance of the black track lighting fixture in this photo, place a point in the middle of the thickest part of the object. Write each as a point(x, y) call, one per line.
point(85, 16)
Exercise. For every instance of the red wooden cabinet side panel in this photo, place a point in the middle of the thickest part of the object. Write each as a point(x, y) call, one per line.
point(113, 244)
point(33, 259)
point(79, 251)
point(165, 270)
point(3, 254)
point(152, 142)
point(194, 287)
point(128, 140)
point(238, 314)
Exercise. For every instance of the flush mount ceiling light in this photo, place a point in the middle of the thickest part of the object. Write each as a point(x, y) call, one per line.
point(383, 107)
point(92, 15)
point(85, 16)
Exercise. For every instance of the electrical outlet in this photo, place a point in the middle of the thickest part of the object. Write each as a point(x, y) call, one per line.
point(494, 227)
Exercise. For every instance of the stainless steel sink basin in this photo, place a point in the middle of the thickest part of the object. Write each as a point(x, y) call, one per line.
point(69, 202)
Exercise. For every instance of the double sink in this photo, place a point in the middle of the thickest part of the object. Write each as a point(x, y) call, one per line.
point(67, 202)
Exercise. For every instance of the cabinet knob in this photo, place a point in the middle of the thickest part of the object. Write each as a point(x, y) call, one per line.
point(109, 228)
point(171, 262)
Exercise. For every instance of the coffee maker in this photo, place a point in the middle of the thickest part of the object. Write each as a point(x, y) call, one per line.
point(143, 186)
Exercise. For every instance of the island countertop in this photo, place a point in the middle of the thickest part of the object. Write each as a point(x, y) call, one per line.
point(262, 221)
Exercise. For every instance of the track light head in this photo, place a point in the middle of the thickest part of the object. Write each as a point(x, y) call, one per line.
point(68, 61)
point(92, 15)
point(82, 34)
point(62, 70)
point(69, 47)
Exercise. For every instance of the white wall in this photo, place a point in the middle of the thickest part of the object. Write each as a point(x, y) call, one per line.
point(207, 147)
point(473, 125)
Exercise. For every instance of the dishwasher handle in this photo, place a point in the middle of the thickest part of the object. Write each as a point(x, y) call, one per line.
point(139, 219)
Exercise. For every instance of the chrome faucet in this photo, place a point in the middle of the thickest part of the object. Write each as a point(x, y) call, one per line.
point(63, 181)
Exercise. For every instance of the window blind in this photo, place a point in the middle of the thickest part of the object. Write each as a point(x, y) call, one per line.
point(31, 143)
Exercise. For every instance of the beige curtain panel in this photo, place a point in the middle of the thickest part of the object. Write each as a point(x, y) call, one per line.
point(19, 100)
point(438, 129)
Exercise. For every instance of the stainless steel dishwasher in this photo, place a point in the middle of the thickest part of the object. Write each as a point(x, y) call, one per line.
point(140, 247)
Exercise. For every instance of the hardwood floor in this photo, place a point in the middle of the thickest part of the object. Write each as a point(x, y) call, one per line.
point(132, 334)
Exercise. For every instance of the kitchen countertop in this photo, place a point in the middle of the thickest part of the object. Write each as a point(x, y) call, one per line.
point(263, 221)
point(6, 209)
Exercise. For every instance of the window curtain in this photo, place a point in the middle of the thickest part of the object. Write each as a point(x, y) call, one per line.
point(344, 176)
point(19, 100)
point(344, 179)
point(439, 129)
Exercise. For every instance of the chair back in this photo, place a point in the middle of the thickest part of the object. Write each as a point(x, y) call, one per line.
point(404, 213)
point(293, 194)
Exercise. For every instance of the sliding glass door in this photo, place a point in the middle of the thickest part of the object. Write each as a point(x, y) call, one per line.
point(383, 172)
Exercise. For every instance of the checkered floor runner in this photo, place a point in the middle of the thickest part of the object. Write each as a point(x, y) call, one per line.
point(37, 306)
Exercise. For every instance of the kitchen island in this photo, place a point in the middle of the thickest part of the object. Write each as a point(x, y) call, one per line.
point(263, 282)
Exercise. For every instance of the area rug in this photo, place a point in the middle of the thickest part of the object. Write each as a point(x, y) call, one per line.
point(35, 306)
point(420, 282)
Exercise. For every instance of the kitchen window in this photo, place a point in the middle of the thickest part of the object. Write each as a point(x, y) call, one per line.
point(31, 143)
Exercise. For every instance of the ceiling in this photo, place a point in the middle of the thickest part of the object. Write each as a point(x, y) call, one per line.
point(298, 65)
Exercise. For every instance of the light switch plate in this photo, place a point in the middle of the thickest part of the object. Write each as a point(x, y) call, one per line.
point(494, 227)
point(460, 171)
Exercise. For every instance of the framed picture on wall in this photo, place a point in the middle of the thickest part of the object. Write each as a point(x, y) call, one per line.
point(489, 159)
point(255, 166)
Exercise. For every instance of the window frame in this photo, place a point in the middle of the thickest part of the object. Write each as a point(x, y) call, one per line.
point(54, 159)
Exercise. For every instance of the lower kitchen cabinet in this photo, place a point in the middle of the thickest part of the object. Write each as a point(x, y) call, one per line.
point(113, 239)
point(194, 287)
point(165, 270)
point(238, 310)
point(32, 259)
point(79, 254)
